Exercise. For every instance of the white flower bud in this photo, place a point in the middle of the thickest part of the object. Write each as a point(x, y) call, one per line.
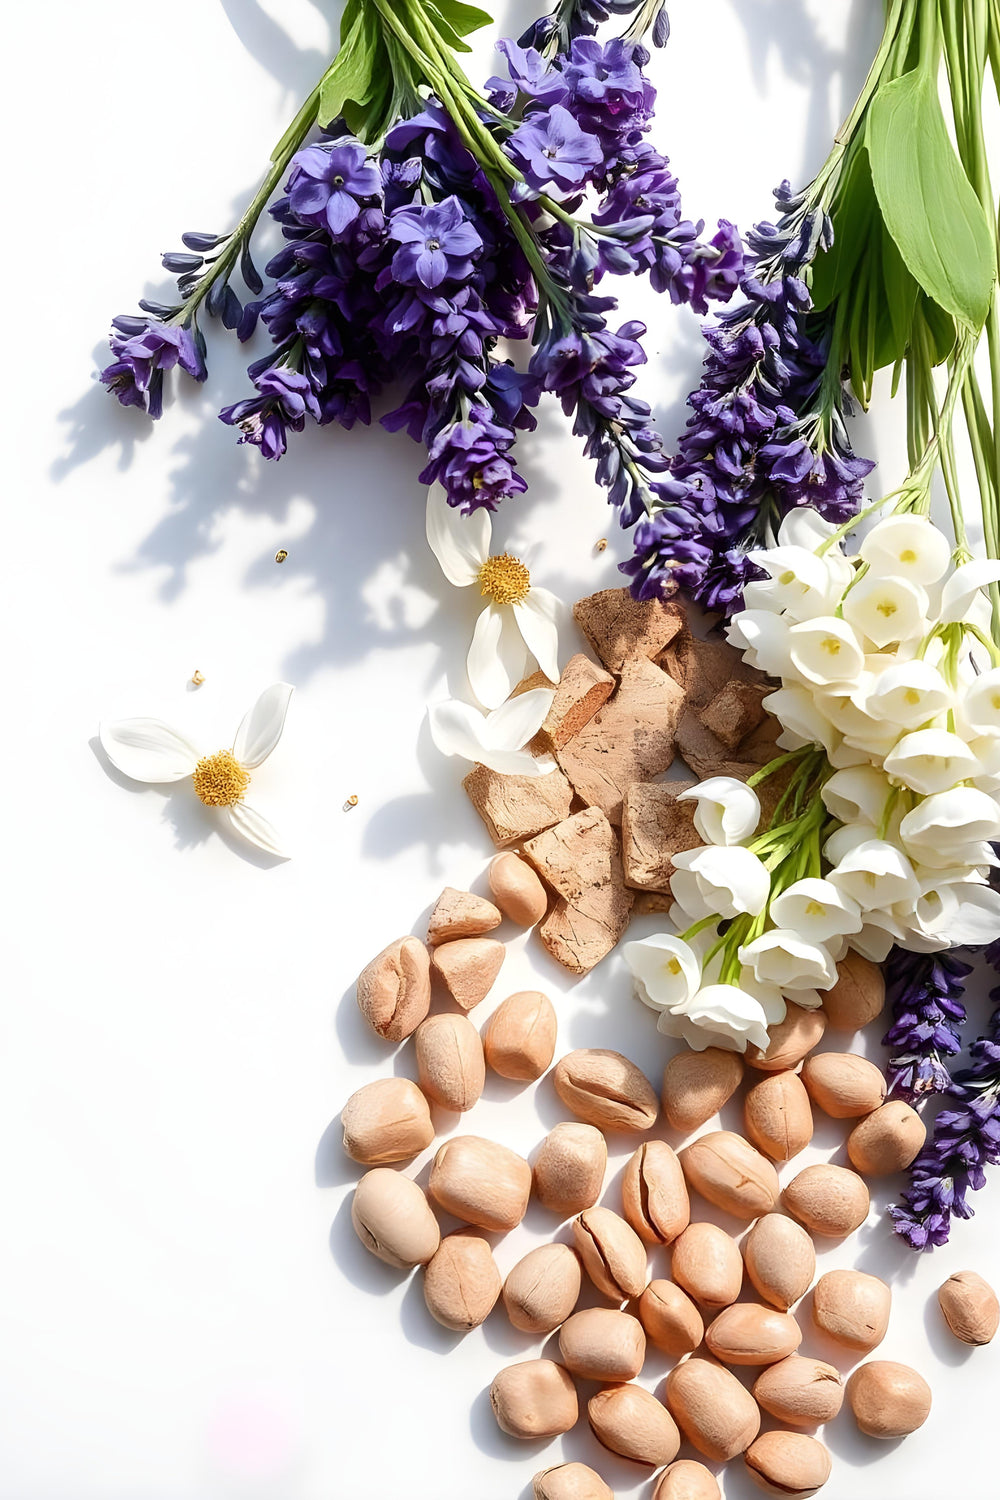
point(665, 969)
point(816, 910)
point(908, 694)
point(801, 583)
point(825, 651)
point(961, 597)
point(718, 1016)
point(980, 704)
point(909, 547)
point(931, 760)
point(855, 793)
point(720, 881)
point(728, 810)
point(876, 875)
point(948, 827)
point(783, 958)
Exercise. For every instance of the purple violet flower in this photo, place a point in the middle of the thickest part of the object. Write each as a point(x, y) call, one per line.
point(142, 354)
point(436, 242)
point(328, 182)
point(284, 399)
point(551, 148)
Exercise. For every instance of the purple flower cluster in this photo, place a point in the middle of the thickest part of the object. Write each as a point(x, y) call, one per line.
point(764, 435)
point(143, 350)
point(925, 991)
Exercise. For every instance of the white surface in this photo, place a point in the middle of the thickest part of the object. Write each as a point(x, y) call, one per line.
point(179, 1321)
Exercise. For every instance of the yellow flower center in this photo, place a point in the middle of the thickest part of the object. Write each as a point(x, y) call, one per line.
point(815, 909)
point(831, 645)
point(995, 701)
point(673, 966)
point(908, 555)
point(220, 780)
point(911, 696)
point(504, 579)
point(786, 578)
point(886, 607)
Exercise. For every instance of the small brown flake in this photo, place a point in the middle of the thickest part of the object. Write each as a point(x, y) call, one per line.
point(583, 689)
point(656, 826)
point(581, 860)
point(735, 711)
point(619, 627)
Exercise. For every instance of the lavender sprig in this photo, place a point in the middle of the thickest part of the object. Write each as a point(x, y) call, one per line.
point(925, 991)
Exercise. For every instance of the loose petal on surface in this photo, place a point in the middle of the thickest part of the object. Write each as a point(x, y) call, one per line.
point(255, 829)
point(261, 729)
point(148, 750)
point(497, 657)
point(536, 619)
point(515, 722)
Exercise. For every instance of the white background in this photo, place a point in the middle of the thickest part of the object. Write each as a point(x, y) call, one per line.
point(184, 1312)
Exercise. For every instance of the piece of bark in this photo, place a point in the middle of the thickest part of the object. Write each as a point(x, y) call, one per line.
point(583, 689)
point(735, 712)
point(761, 745)
point(515, 807)
point(655, 828)
point(619, 627)
point(581, 860)
point(467, 968)
point(699, 748)
point(460, 914)
point(704, 667)
point(631, 739)
point(651, 903)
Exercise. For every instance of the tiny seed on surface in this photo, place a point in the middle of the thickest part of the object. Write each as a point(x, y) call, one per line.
point(352, 801)
point(280, 555)
point(601, 545)
point(197, 678)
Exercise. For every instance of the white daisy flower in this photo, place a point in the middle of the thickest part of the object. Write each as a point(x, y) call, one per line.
point(149, 750)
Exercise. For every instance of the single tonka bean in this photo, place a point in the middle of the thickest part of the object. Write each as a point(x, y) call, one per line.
point(655, 1195)
point(852, 1308)
point(726, 1170)
point(520, 1037)
point(749, 1334)
point(888, 1400)
point(606, 1090)
point(543, 1288)
point(461, 1281)
point(697, 1084)
point(460, 914)
point(630, 1421)
point(780, 1258)
point(970, 1307)
point(800, 1392)
point(467, 967)
point(385, 1121)
point(393, 1219)
point(450, 1062)
point(570, 1482)
point(394, 990)
point(857, 997)
point(481, 1182)
point(715, 1412)
point(828, 1200)
point(887, 1140)
point(788, 1463)
point(687, 1480)
point(603, 1344)
point(534, 1399)
point(569, 1168)
point(777, 1116)
point(791, 1040)
point(613, 1255)
point(707, 1264)
point(670, 1318)
point(844, 1085)
point(517, 890)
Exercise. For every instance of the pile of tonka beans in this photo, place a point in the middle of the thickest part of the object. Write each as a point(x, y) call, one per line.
point(693, 1315)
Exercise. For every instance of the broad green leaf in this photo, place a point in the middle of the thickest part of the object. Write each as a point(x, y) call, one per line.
point(351, 76)
point(852, 215)
point(445, 30)
point(927, 202)
point(463, 18)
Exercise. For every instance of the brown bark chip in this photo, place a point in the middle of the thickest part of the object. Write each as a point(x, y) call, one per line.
point(515, 807)
point(655, 828)
point(580, 859)
point(700, 749)
point(631, 739)
point(735, 712)
point(619, 627)
point(584, 687)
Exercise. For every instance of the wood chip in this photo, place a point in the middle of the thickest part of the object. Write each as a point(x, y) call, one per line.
point(655, 828)
point(515, 807)
point(651, 903)
point(460, 914)
point(735, 712)
point(580, 859)
point(631, 739)
point(703, 668)
point(584, 687)
point(620, 628)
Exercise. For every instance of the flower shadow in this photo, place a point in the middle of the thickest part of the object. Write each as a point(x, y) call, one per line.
point(270, 45)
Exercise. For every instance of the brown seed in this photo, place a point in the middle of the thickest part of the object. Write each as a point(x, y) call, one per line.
point(613, 1255)
point(569, 1168)
point(697, 1084)
point(687, 1480)
point(517, 890)
point(534, 1399)
point(970, 1307)
point(385, 1121)
point(887, 1140)
point(791, 1040)
point(780, 1259)
point(603, 1344)
point(723, 1168)
point(460, 914)
point(788, 1463)
point(630, 1421)
point(715, 1412)
point(461, 1281)
point(670, 1318)
point(852, 1308)
point(828, 1200)
point(655, 1195)
point(467, 968)
point(857, 997)
point(606, 1090)
point(481, 1182)
point(450, 1062)
point(394, 990)
point(520, 1036)
point(393, 1219)
point(888, 1400)
point(749, 1334)
point(777, 1116)
point(570, 1482)
point(706, 1263)
point(800, 1392)
point(543, 1288)
point(843, 1084)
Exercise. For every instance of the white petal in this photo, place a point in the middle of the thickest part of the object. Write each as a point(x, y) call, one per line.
point(457, 728)
point(261, 729)
point(977, 919)
point(497, 657)
point(536, 619)
point(148, 750)
point(255, 829)
point(460, 543)
point(959, 593)
point(728, 810)
point(515, 722)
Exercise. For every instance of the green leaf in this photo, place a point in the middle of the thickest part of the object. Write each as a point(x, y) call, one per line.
point(351, 77)
point(463, 18)
point(852, 215)
point(927, 202)
point(445, 30)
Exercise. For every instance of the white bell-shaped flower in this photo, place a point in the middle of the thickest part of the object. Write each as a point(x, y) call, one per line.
point(980, 704)
point(951, 912)
point(723, 882)
point(826, 651)
point(909, 547)
point(816, 910)
point(805, 527)
point(886, 609)
point(801, 584)
point(727, 810)
point(719, 1015)
point(876, 875)
point(665, 969)
point(768, 996)
point(962, 593)
point(780, 956)
point(842, 840)
point(762, 637)
point(797, 710)
point(858, 792)
point(944, 829)
point(877, 937)
point(908, 694)
point(930, 760)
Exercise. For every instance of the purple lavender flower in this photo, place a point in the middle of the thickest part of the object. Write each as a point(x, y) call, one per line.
point(551, 148)
point(530, 73)
point(436, 242)
point(328, 182)
point(143, 350)
point(284, 398)
point(469, 458)
point(925, 991)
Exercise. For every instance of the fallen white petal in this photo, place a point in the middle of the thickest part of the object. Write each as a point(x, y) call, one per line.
point(261, 729)
point(255, 829)
point(515, 722)
point(457, 728)
point(536, 618)
point(497, 656)
point(148, 750)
